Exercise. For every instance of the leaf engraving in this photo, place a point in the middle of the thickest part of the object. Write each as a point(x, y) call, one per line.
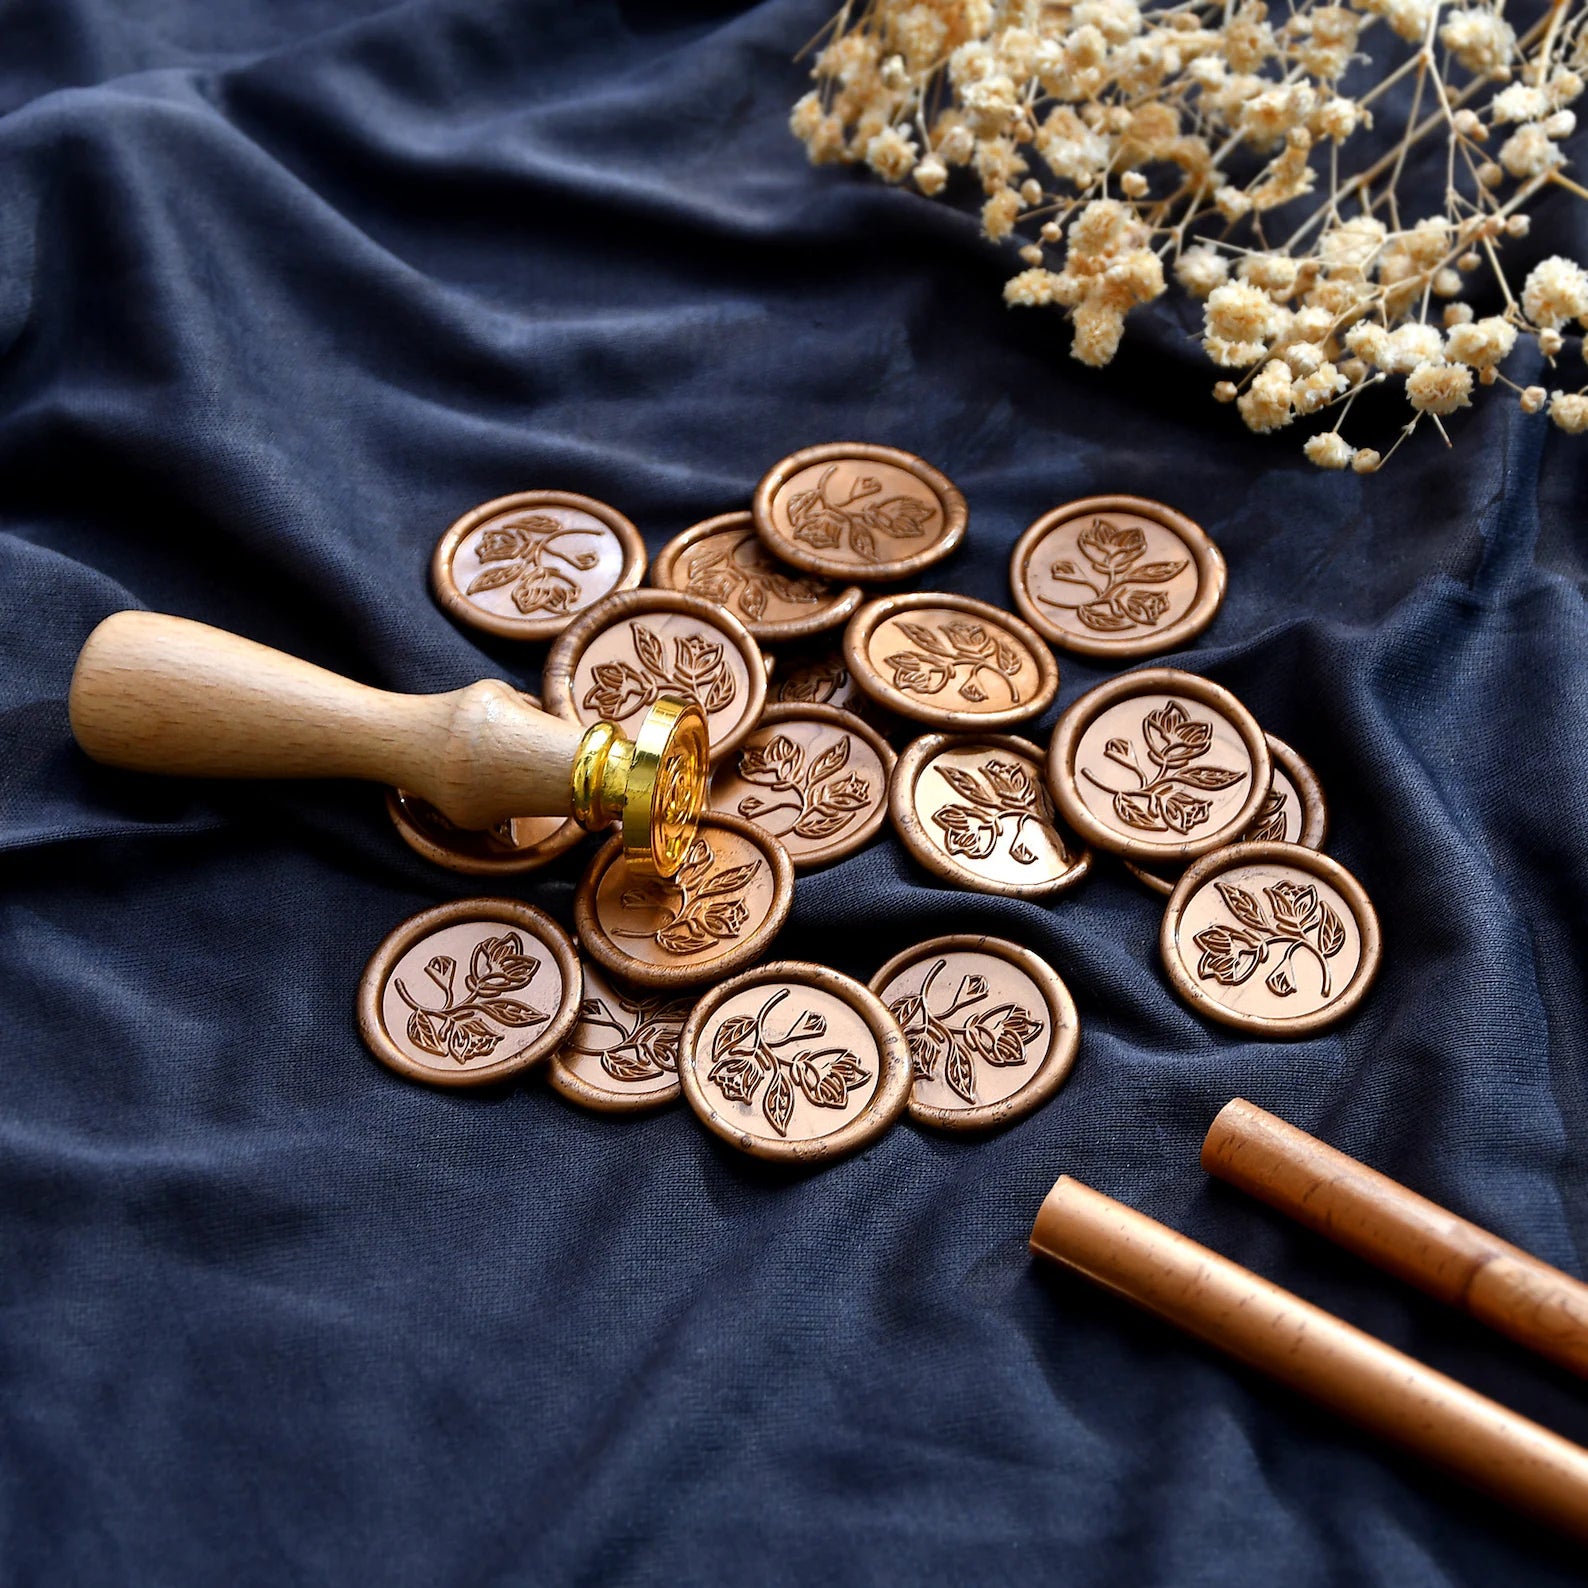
point(819, 520)
point(1294, 920)
point(1114, 600)
point(950, 1042)
point(466, 1028)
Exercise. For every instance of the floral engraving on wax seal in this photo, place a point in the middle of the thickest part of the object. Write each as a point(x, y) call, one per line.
point(523, 566)
point(1165, 798)
point(521, 553)
point(1296, 919)
point(998, 1035)
point(822, 803)
point(820, 681)
point(698, 668)
point(942, 649)
point(1273, 821)
point(469, 993)
point(1270, 937)
point(641, 1033)
point(1116, 576)
point(991, 1029)
point(823, 522)
point(745, 1054)
point(999, 790)
point(700, 905)
point(463, 1028)
point(1119, 596)
point(736, 572)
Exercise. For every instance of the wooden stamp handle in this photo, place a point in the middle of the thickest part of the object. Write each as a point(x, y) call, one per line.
point(161, 694)
point(1380, 1219)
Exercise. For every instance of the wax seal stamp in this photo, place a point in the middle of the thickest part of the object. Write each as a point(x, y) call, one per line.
point(622, 1054)
point(162, 694)
point(723, 560)
point(1270, 938)
point(521, 566)
point(973, 809)
point(720, 911)
point(1117, 576)
point(513, 845)
point(794, 1062)
point(1159, 766)
point(469, 993)
point(949, 661)
point(616, 660)
point(848, 510)
point(814, 777)
point(1295, 812)
point(991, 1028)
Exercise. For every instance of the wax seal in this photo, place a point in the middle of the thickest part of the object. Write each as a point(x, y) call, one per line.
point(723, 560)
point(1270, 938)
point(512, 845)
point(848, 510)
point(1117, 576)
point(622, 1054)
point(720, 911)
point(1159, 766)
point(949, 661)
point(521, 566)
point(794, 1062)
point(973, 809)
point(991, 1027)
point(1295, 812)
point(631, 649)
point(814, 777)
point(469, 993)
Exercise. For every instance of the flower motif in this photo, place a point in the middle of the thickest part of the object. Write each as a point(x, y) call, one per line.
point(1296, 919)
point(1112, 547)
point(465, 1028)
point(1011, 782)
point(745, 1055)
point(699, 670)
point(1145, 606)
point(966, 833)
point(520, 553)
point(917, 674)
point(999, 1035)
point(1163, 799)
point(616, 691)
point(1229, 955)
point(819, 521)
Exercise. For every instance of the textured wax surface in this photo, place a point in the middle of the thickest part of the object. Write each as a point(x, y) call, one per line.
point(285, 285)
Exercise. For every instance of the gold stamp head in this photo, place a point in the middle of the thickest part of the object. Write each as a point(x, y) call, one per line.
point(655, 784)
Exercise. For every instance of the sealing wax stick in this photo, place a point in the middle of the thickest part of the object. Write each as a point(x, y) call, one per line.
point(1415, 1239)
point(1312, 1351)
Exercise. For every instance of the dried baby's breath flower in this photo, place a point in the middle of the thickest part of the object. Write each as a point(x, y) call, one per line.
point(1439, 388)
point(1569, 410)
point(1334, 184)
point(1329, 450)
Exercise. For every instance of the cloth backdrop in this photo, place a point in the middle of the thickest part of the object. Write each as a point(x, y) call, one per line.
point(286, 285)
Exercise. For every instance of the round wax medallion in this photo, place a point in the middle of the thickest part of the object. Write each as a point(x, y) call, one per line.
point(469, 993)
point(723, 560)
point(613, 663)
point(1117, 576)
point(972, 808)
point(793, 1062)
point(521, 843)
point(622, 1055)
point(1271, 938)
point(1159, 765)
point(814, 777)
point(521, 566)
point(853, 511)
point(727, 902)
point(1293, 813)
point(950, 661)
point(992, 1029)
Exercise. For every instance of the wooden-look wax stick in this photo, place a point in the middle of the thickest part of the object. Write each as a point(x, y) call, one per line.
point(1312, 1351)
point(1415, 1239)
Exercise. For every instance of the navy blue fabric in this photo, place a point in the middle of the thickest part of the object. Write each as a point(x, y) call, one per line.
point(287, 284)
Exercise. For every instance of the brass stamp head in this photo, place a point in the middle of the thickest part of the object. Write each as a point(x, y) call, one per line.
point(654, 784)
